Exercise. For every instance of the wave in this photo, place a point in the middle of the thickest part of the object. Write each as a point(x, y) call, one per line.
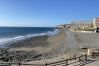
point(5, 41)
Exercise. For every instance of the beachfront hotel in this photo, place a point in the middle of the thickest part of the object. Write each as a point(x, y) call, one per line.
point(96, 23)
point(90, 25)
point(81, 25)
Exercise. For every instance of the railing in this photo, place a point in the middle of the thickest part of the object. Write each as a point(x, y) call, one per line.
point(95, 55)
point(18, 64)
point(65, 62)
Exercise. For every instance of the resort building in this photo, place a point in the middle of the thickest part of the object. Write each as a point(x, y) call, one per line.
point(67, 26)
point(89, 25)
point(60, 27)
point(96, 23)
point(81, 24)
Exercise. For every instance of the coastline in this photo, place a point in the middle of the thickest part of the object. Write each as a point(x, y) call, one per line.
point(53, 48)
point(48, 46)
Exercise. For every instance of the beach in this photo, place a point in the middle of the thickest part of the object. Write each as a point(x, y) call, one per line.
point(47, 46)
point(46, 49)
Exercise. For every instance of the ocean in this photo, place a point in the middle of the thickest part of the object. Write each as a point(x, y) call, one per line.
point(13, 34)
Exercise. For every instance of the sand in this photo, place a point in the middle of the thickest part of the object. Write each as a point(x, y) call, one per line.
point(52, 48)
point(58, 47)
point(68, 44)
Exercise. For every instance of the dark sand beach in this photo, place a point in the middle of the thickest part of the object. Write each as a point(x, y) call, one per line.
point(45, 46)
point(39, 41)
point(44, 49)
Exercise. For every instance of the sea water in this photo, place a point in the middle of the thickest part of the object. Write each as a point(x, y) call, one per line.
point(14, 34)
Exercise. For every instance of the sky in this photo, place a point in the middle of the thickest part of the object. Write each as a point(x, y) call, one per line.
point(46, 13)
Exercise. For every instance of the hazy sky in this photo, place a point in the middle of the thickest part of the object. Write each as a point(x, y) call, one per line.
point(46, 13)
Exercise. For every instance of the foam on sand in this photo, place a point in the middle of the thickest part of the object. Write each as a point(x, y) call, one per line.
point(4, 41)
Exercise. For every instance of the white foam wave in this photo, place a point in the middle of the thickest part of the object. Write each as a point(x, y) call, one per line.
point(4, 41)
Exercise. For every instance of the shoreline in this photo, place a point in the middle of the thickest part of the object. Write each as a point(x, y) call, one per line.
point(15, 38)
point(58, 47)
point(49, 47)
point(45, 45)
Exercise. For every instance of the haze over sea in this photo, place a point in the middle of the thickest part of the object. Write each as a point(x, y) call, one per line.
point(9, 34)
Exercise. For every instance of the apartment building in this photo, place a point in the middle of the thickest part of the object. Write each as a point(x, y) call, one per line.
point(81, 24)
point(96, 23)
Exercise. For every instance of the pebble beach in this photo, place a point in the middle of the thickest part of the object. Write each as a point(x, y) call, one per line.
point(49, 48)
